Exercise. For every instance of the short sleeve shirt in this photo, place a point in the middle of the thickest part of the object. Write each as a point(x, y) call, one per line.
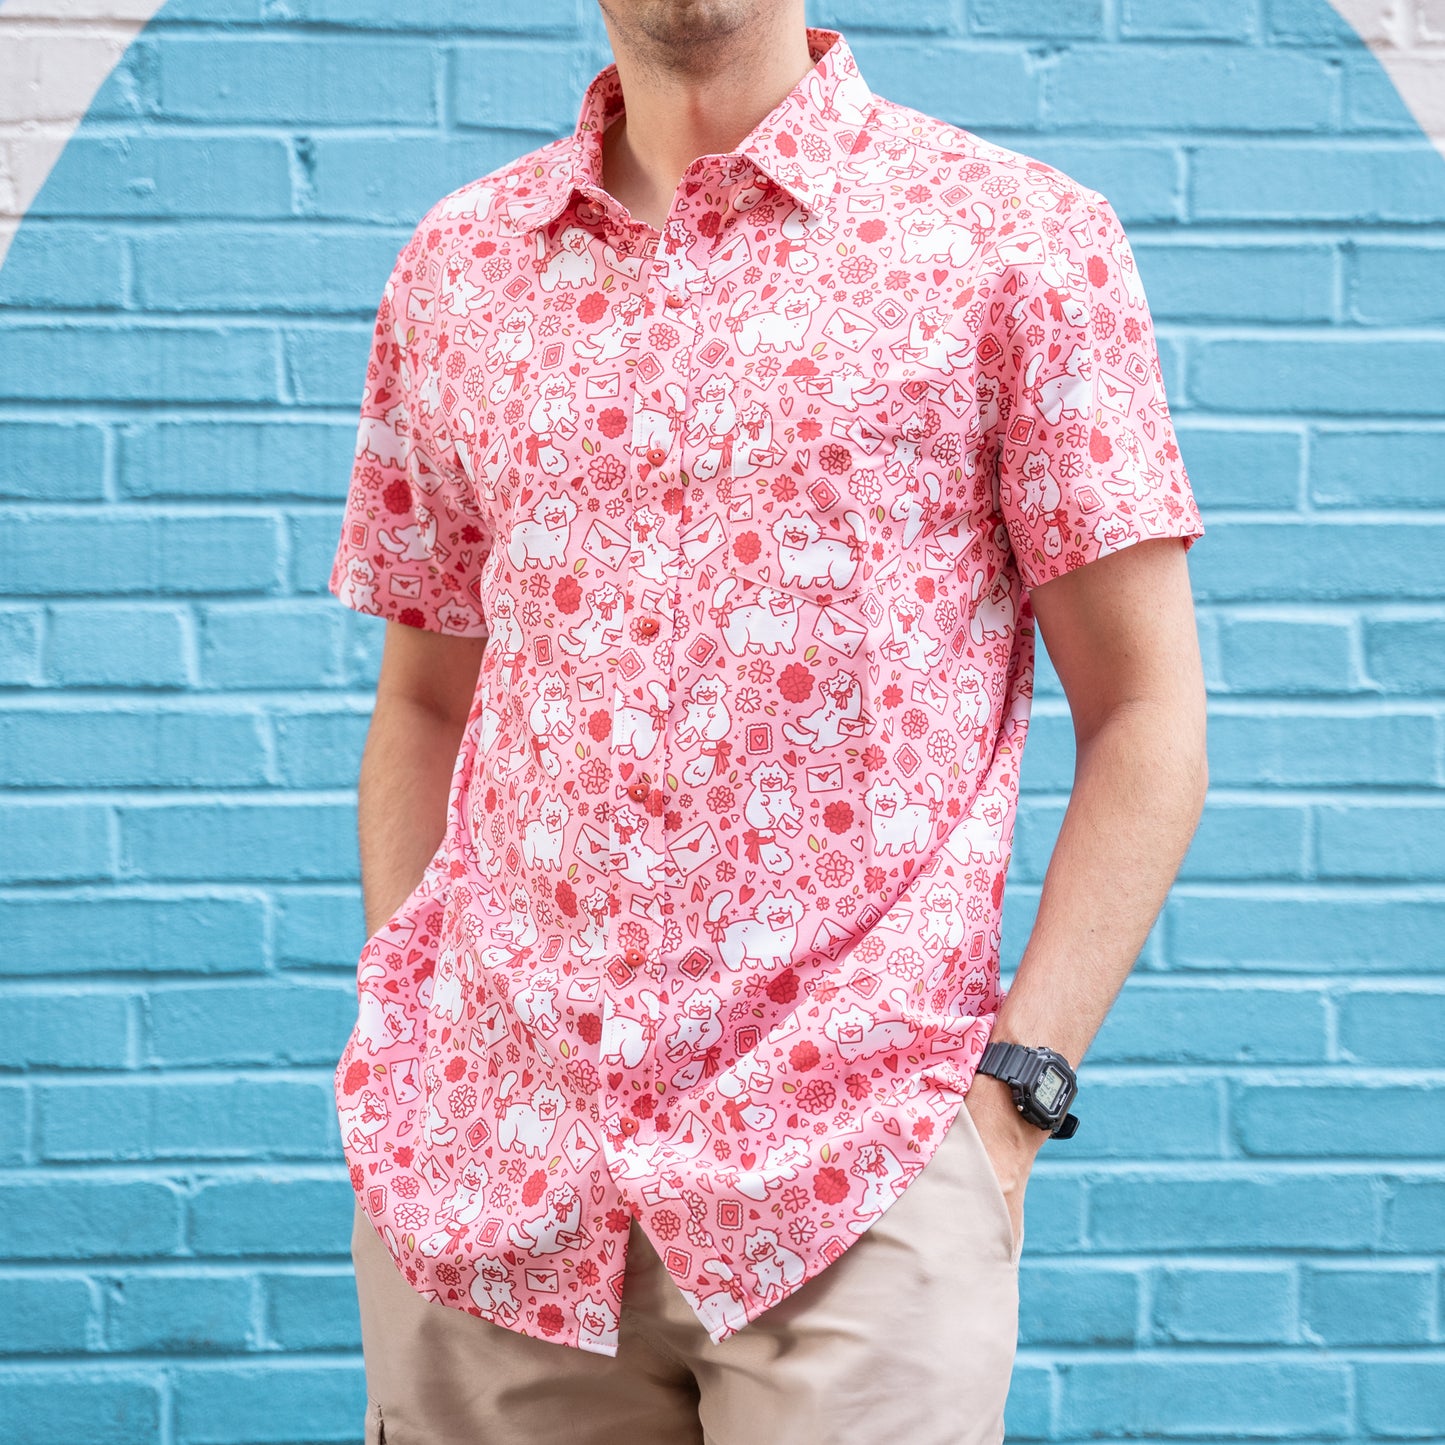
point(749, 510)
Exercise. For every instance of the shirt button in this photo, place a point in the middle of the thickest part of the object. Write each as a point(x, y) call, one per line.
point(647, 627)
point(676, 299)
point(637, 792)
point(656, 455)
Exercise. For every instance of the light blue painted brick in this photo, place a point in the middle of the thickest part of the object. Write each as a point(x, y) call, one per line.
point(270, 1023)
point(539, 17)
point(397, 179)
point(251, 645)
point(1372, 101)
point(1358, 1120)
point(52, 460)
point(1296, 655)
point(46, 1407)
point(44, 1313)
point(1156, 1021)
point(1180, 88)
point(1076, 1303)
point(517, 85)
point(907, 15)
point(1030, 1401)
point(327, 362)
point(1405, 655)
point(1065, 19)
point(1397, 285)
point(317, 1310)
point(1244, 841)
point(1398, 1028)
point(60, 264)
point(1346, 1304)
point(1414, 1215)
point(321, 927)
point(229, 1119)
point(1232, 1212)
point(54, 842)
point(1363, 840)
point(1224, 1304)
point(1402, 1398)
point(21, 664)
point(1342, 375)
point(255, 268)
point(15, 1146)
point(117, 645)
point(1153, 1119)
point(1207, 19)
point(81, 1028)
point(1308, 22)
point(271, 457)
point(296, 841)
point(160, 175)
point(1330, 181)
point(180, 1313)
point(147, 747)
point(1225, 282)
point(312, 537)
point(90, 552)
point(1142, 180)
point(1241, 465)
point(295, 81)
point(318, 749)
point(1207, 1399)
point(1055, 1223)
point(53, 933)
point(1376, 466)
point(135, 362)
point(269, 1404)
point(65, 1218)
point(972, 85)
point(268, 1212)
point(1336, 932)
point(1294, 749)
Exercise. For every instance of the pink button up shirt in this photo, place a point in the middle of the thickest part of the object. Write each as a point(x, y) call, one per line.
point(749, 510)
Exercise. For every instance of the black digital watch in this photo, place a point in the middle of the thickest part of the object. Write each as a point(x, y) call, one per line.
point(1042, 1083)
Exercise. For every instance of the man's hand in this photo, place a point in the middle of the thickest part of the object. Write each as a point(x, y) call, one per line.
point(1012, 1143)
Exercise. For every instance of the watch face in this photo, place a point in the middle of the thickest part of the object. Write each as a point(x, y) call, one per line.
point(1049, 1086)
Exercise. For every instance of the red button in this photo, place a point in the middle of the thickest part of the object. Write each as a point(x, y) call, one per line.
point(637, 792)
point(656, 455)
point(647, 627)
point(676, 300)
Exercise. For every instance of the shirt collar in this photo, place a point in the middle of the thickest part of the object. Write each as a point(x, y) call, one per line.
point(801, 143)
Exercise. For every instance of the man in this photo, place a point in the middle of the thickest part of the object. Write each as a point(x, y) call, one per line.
point(715, 463)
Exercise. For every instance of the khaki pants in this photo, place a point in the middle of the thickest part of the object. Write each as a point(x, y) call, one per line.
point(909, 1335)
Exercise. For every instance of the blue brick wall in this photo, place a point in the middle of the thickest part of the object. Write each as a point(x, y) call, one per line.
point(1246, 1240)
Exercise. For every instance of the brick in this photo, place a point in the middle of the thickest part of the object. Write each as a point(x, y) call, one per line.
point(1293, 750)
point(269, 1404)
point(971, 85)
point(1392, 1028)
point(269, 644)
point(44, 1314)
point(55, 842)
point(907, 15)
point(185, 1313)
point(1403, 655)
point(228, 1119)
point(1384, 842)
point(297, 841)
point(441, 16)
point(1076, 1303)
point(321, 927)
point(1336, 931)
point(1308, 22)
point(1180, 88)
point(1224, 1305)
point(52, 461)
point(1142, 180)
point(1358, 1119)
point(20, 633)
point(1291, 654)
point(87, 552)
point(319, 749)
point(231, 1218)
point(270, 1023)
point(1402, 1398)
point(209, 457)
point(312, 1311)
point(1205, 19)
point(44, 74)
point(311, 544)
point(1414, 1215)
point(1072, 19)
point(1154, 1120)
point(57, 263)
point(517, 85)
point(1375, 97)
point(296, 80)
point(1231, 1211)
point(54, 934)
point(61, 1218)
point(1240, 841)
point(327, 363)
point(66, 1029)
point(1296, 182)
point(147, 747)
point(118, 645)
point(1376, 467)
point(1157, 1021)
point(135, 362)
point(15, 1125)
point(1397, 285)
point(1240, 464)
point(264, 268)
point(1342, 1305)
point(1222, 282)
point(74, 1405)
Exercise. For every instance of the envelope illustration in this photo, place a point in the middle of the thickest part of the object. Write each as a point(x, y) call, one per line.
point(584, 990)
point(1024, 250)
point(421, 304)
point(849, 329)
point(579, 1146)
point(606, 546)
point(609, 384)
point(593, 846)
point(926, 690)
point(1115, 393)
point(858, 432)
point(405, 584)
point(406, 1080)
point(862, 204)
point(825, 779)
point(543, 1281)
point(734, 255)
point(740, 509)
point(591, 688)
point(692, 849)
point(840, 631)
point(702, 539)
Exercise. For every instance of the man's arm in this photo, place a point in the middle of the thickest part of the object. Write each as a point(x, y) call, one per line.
point(424, 692)
point(1122, 636)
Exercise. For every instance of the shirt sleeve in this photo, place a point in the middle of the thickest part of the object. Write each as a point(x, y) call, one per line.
point(1088, 461)
point(413, 539)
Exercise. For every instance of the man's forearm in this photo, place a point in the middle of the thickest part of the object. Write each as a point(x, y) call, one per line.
point(401, 797)
point(1139, 786)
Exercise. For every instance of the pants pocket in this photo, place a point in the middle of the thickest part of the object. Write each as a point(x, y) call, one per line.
point(375, 1426)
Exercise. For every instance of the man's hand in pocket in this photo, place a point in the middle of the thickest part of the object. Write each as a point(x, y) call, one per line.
point(1012, 1143)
